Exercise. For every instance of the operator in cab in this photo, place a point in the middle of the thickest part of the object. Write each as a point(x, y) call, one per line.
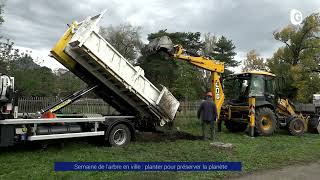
point(207, 113)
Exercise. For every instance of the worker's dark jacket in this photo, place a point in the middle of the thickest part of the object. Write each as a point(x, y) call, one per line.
point(207, 110)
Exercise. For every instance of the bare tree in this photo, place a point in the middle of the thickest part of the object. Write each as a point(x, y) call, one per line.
point(209, 45)
point(125, 38)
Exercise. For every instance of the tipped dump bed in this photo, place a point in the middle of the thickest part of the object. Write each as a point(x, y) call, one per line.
point(88, 55)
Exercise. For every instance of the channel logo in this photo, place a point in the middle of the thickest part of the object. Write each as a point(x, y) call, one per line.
point(295, 17)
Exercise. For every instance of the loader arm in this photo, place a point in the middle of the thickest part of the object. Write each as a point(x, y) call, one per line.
point(284, 107)
point(215, 67)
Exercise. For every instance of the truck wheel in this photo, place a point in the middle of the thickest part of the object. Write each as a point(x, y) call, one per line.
point(265, 122)
point(119, 136)
point(233, 126)
point(296, 127)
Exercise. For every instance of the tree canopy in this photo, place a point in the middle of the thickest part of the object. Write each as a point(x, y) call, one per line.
point(224, 50)
point(181, 78)
point(298, 60)
point(254, 62)
point(125, 38)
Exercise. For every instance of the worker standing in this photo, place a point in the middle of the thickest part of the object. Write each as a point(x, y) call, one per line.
point(207, 113)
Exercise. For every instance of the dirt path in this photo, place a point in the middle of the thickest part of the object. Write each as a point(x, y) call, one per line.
point(297, 172)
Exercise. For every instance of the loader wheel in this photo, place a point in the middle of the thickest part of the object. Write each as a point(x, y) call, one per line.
point(313, 125)
point(265, 122)
point(119, 136)
point(296, 127)
point(233, 126)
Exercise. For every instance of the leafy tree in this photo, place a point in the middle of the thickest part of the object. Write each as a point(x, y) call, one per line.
point(158, 68)
point(300, 41)
point(8, 54)
point(67, 83)
point(306, 83)
point(125, 38)
point(224, 51)
point(23, 62)
point(281, 68)
point(37, 82)
point(220, 50)
point(297, 62)
point(254, 62)
point(30, 78)
point(181, 78)
point(27, 74)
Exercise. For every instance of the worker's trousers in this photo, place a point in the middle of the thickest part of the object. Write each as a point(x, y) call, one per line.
point(206, 125)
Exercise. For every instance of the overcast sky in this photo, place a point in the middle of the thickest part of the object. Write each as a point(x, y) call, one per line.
point(38, 24)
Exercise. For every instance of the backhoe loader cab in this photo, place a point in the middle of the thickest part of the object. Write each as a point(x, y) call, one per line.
point(259, 85)
point(270, 110)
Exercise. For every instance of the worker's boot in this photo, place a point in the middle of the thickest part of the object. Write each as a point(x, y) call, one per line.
point(219, 126)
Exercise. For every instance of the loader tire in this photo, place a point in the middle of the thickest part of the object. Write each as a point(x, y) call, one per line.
point(313, 125)
point(296, 127)
point(265, 122)
point(233, 126)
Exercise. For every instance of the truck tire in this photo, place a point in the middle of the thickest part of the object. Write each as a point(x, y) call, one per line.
point(265, 122)
point(296, 127)
point(119, 136)
point(233, 126)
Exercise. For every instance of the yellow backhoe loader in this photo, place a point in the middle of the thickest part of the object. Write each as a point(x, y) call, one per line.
point(256, 102)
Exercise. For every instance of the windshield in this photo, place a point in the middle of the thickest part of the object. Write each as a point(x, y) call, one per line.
point(257, 86)
point(246, 85)
point(236, 87)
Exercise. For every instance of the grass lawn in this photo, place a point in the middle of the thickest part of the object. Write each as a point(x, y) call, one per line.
point(254, 153)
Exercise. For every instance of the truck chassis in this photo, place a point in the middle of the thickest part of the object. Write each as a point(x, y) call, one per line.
point(13, 131)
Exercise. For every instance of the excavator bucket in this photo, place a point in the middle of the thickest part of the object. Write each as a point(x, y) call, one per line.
point(163, 43)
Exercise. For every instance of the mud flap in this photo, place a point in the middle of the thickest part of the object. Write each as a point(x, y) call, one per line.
point(6, 135)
